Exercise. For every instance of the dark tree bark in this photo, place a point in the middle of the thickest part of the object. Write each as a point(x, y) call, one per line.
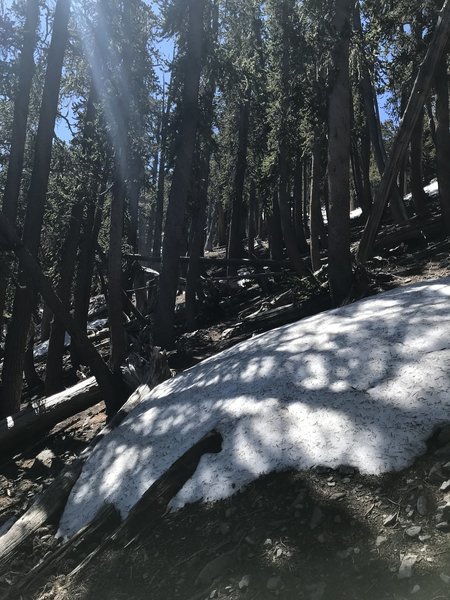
point(276, 234)
point(16, 338)
point(159, 208)
point(298, 210)
point(173, 232)
point(235, 244)
point(339, 258)
point(315, 211)
point(443, 139)
point(418, 195)
point(252, 218)
point(199, 214)
point(18, 137)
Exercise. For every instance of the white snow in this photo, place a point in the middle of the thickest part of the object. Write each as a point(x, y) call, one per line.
point(363, 385)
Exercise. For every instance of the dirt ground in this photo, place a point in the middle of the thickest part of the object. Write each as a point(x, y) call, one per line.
point(315, 535)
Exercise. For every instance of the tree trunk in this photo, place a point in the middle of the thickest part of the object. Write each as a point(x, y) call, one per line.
point(419, 93)
point(276, 234)
point(18, 137)
point(164, 321)
point(339, 257)
point(24, 298)
point(235, 244)
point(373, 121)
point(298, 210)
point(443, 139)
point(54, 367)
point(112, 388)
point(252, 218)
point(315, 211)
point(418, 195)
point(159, 208)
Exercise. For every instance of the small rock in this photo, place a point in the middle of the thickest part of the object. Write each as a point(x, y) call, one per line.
point(278, 553)
point(380, 540)
point(268, 542)
point(422, 505)
point(338, 496)
point(443, 526)
point(316, 517)
point(273, 583)
point(390, 520)
point(244, 582)
point(424, 538)
point(415, 589)
point(413, 531)
point(445, 487)
point(405, 569)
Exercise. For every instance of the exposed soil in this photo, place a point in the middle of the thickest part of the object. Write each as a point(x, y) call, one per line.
point(316, 535)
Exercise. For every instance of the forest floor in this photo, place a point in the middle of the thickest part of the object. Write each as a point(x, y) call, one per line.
point(313, 535)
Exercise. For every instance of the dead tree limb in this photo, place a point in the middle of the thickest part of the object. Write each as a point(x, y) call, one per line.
point(419, 93)
point(44, 414)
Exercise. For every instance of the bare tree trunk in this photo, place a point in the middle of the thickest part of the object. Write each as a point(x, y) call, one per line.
point(276, 234)
point(18, 137)
point(164, 322)
point(235, 244)
point(252, 218)
point(315, 215)
point(24, 299)
point(298, 210)
point(339, 258)
point(159, 208)
point(443, 139)
point(418, 195)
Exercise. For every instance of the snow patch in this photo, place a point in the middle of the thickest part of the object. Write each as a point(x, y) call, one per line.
point(363, 385)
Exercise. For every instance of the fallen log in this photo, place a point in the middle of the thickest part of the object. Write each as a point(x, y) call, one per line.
point(46, 413)
point(153, 504)
point(223, 262)
point(47, 508)
point(49, 505)
point(276, 317)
